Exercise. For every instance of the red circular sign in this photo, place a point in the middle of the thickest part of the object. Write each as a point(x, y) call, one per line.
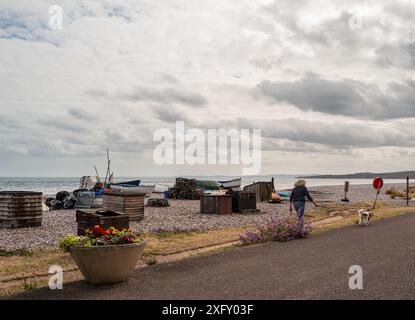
point(378, 183)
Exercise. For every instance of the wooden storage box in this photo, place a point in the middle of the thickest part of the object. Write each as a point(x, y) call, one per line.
point(263, 190)
point(243, 201)
point(216, 204)
point(131, 203)
point(88, 218)
point(20, 209)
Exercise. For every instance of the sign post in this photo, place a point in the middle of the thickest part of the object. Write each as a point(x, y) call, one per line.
point(346, 190)
point(407, 191)
point(377, 184)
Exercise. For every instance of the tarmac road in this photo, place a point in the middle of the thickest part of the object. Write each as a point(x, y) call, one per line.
point(313, 268)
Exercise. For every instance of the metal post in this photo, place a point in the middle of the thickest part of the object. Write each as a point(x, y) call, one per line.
point(407, 191)
point(376, 199)
point(346, 190)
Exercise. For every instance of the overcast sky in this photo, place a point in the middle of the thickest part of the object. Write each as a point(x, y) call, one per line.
point(330, 83)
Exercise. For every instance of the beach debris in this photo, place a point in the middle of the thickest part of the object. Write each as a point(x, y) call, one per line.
point(185, 189)
point(62, 195)
point(62, 200)
point(157, 202)
point(45, 208)
point(396, 193)
point(69, 202)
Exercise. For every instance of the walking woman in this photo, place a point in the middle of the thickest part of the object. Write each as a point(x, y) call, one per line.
point(297, 199)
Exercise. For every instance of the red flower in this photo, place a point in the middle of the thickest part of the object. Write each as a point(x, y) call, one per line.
point(97, 232)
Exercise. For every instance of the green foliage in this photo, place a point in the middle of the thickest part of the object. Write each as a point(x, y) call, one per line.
point(70, 240)
point(19, 252)
point(98, 236)
point(30, 285)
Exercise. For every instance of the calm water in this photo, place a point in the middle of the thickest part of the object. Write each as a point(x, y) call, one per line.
point(52, 185)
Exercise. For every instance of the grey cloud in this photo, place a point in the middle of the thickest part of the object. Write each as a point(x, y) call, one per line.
point(80, 114)
point(396, 55)
point(166, 96)
point(339, 135)
point(170, 115)
point(169, 79)
point(64, 125)
point(324, 135)
point(401, 10)
point(263, 64)
point(345, 97)
point(272, 144)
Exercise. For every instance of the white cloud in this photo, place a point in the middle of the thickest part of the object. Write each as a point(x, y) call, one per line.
point(120, 69)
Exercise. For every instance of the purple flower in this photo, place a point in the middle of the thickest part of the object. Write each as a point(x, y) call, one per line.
point(277, 229)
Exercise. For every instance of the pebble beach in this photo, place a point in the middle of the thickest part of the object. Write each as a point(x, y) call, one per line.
point(182, 215)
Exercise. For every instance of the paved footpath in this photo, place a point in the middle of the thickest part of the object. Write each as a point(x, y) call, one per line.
point(314, 268)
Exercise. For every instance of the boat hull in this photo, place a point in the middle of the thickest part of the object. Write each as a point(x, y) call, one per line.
point(139, 189)
point(132, 183)
point(228, 184)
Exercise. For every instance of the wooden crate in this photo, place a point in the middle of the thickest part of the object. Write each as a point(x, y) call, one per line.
point(216, 204)
point(128, 203)
point(88, 218)
point(20, 209)
point(243, 201)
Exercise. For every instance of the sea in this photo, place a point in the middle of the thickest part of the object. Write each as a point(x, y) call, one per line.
point(52, 185)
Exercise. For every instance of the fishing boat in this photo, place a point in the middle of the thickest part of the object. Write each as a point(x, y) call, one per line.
point(207, 185)
point(147, 189)
point(161, 188)
point(233, 183)
point(127, 184)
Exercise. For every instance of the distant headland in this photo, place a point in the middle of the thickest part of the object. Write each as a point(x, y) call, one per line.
point(365, 175)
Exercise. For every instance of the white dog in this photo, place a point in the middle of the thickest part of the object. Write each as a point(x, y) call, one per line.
point(364, 217)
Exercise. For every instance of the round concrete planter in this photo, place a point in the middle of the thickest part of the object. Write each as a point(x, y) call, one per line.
point(107, 264)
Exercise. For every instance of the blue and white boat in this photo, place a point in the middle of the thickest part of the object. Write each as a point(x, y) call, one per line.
point(131, 183)
point(231, 184)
